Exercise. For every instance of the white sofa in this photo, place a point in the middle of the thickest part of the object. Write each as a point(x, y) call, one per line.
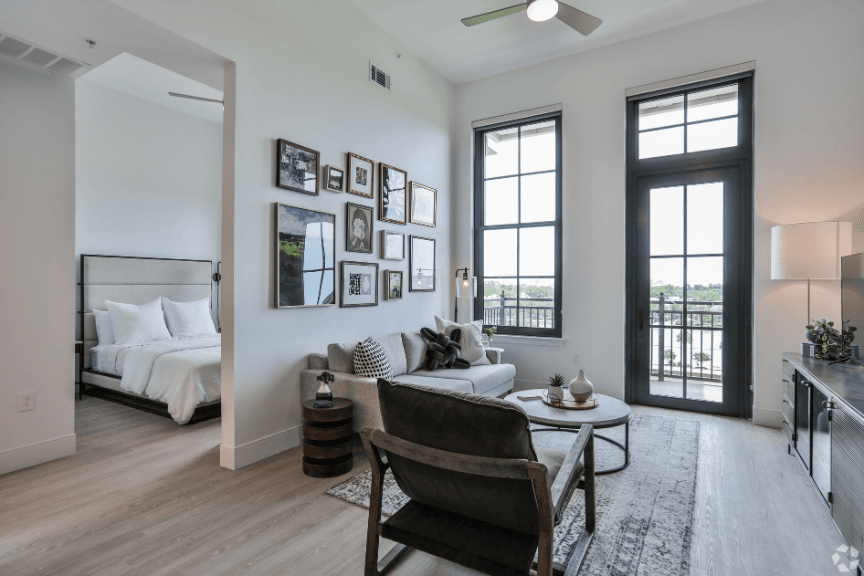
point(407, 354)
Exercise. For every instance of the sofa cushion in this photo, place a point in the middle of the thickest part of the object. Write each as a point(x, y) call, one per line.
point(441, 383)
point(465, 424)
point(415, 351)
point(340, 356)
point(395, 351)
point(484, 378)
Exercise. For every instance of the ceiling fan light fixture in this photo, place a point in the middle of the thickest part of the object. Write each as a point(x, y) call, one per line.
point(542, 10)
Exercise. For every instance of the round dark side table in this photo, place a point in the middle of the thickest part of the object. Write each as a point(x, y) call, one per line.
point(327, 439)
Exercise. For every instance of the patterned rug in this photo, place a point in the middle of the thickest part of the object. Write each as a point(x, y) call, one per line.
point(644, 513)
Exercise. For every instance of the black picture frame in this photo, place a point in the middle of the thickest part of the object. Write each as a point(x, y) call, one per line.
point(291, 265)
point(353, 243)
point(350, 283)
point(418, 280)
point(393, 203)
point(293, 171)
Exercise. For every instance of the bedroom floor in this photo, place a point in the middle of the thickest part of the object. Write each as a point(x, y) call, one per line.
point(144, 496)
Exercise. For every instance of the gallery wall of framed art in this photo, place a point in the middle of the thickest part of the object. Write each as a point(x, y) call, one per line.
point(306, 240)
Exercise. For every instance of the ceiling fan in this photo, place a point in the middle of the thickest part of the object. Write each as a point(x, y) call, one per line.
point(542, 10)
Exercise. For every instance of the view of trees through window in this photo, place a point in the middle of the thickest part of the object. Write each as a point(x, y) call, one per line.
point(518, 226)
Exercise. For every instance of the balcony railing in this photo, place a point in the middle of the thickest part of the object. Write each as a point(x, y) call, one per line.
point(527, 312)
point(694, 347)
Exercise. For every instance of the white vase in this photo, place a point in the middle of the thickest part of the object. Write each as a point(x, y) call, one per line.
point(581, 388)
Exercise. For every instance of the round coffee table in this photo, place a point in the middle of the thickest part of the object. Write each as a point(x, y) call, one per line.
point(610, 412)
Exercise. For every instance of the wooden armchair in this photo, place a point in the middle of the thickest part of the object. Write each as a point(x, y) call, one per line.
point(480, 494)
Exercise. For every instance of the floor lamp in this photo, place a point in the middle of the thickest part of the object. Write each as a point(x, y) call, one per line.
point(466, 287)
point(809, 251)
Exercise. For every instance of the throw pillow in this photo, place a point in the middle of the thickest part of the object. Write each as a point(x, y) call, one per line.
point(104, 331)
point(471, 343)
point(132, 324)
point(370, 361)
point(186, 319)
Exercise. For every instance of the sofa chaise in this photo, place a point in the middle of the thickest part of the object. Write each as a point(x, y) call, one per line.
point(407, 355)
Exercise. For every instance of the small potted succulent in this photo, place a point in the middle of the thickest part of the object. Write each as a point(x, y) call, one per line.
point(556, 388)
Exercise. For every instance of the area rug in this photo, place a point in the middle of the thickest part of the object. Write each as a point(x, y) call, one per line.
point(644, 513)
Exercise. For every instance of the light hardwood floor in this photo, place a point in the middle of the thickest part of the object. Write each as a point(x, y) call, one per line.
point(146, 497)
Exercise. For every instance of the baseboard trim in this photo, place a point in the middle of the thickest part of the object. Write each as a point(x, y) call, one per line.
point(37, 453)
point(236, 457)
point(767, 418)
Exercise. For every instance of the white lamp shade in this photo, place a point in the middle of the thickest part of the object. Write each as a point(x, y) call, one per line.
point(810, 250)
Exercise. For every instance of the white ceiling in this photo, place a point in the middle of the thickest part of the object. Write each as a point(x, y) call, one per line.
point(433, 31)
point(138, 77)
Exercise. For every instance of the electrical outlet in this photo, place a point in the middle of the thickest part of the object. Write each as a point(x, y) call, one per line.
point(26, 401)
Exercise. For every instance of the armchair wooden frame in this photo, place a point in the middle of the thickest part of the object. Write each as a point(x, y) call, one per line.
point(550, 499)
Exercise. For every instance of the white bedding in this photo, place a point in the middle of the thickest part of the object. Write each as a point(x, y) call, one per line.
point(181, 372)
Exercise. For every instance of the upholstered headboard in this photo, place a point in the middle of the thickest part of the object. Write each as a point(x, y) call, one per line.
point(136, 281)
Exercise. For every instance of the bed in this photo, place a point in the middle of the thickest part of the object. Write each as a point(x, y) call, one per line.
point(178, 378)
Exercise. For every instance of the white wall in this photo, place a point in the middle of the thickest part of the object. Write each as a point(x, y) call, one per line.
point(37, 267)
point(148, 178)
point(809, 166)
point(301, 74)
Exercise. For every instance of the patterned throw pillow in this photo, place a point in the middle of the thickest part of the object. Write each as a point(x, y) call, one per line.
point(370, 361)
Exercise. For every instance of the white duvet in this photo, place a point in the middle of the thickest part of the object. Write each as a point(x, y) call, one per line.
point(181, 372)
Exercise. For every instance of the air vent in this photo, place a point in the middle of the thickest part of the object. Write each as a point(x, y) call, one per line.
point(379, 76)
point(32, 56)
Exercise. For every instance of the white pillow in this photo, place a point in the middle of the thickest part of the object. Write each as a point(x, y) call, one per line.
point(188, 318)
point(370, 360)
point(472, 345)
point(143, 323)
point(104, 331)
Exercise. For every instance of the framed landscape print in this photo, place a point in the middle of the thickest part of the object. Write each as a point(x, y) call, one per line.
point(424, 202)
point(392, 245)
point(296, 167)
point(359, 284)
point(358, 223)
point(361, 176)
point(421, 268)
point(305, 247)
point(334, 179)
point(392, 284)
point(392, 202)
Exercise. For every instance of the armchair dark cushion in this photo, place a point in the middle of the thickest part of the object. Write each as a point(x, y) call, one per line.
point(465, 424)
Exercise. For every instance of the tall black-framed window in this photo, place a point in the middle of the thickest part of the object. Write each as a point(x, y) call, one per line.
point(517, 226)
point(690, 217)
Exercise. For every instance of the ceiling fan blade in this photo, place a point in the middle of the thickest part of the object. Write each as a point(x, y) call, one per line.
point(580, 21)
point(481, 18)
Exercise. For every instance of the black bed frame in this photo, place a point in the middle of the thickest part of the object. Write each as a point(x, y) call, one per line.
point(201, 413)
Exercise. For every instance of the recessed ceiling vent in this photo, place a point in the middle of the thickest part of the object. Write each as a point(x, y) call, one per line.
point(379, 76)
point(32, 56)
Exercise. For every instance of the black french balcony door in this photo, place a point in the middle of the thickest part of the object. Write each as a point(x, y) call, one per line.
point(689, 272)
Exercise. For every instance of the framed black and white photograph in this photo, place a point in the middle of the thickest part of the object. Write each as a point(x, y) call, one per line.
point(296, 167)
point(424, 201)
point(361, 176)
point(359, 284)
point(392, 245)
point(305, 265)
point(392, 284)
point(358, 223)
point(334, 179)
point(392, 202)
point(421, 268)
